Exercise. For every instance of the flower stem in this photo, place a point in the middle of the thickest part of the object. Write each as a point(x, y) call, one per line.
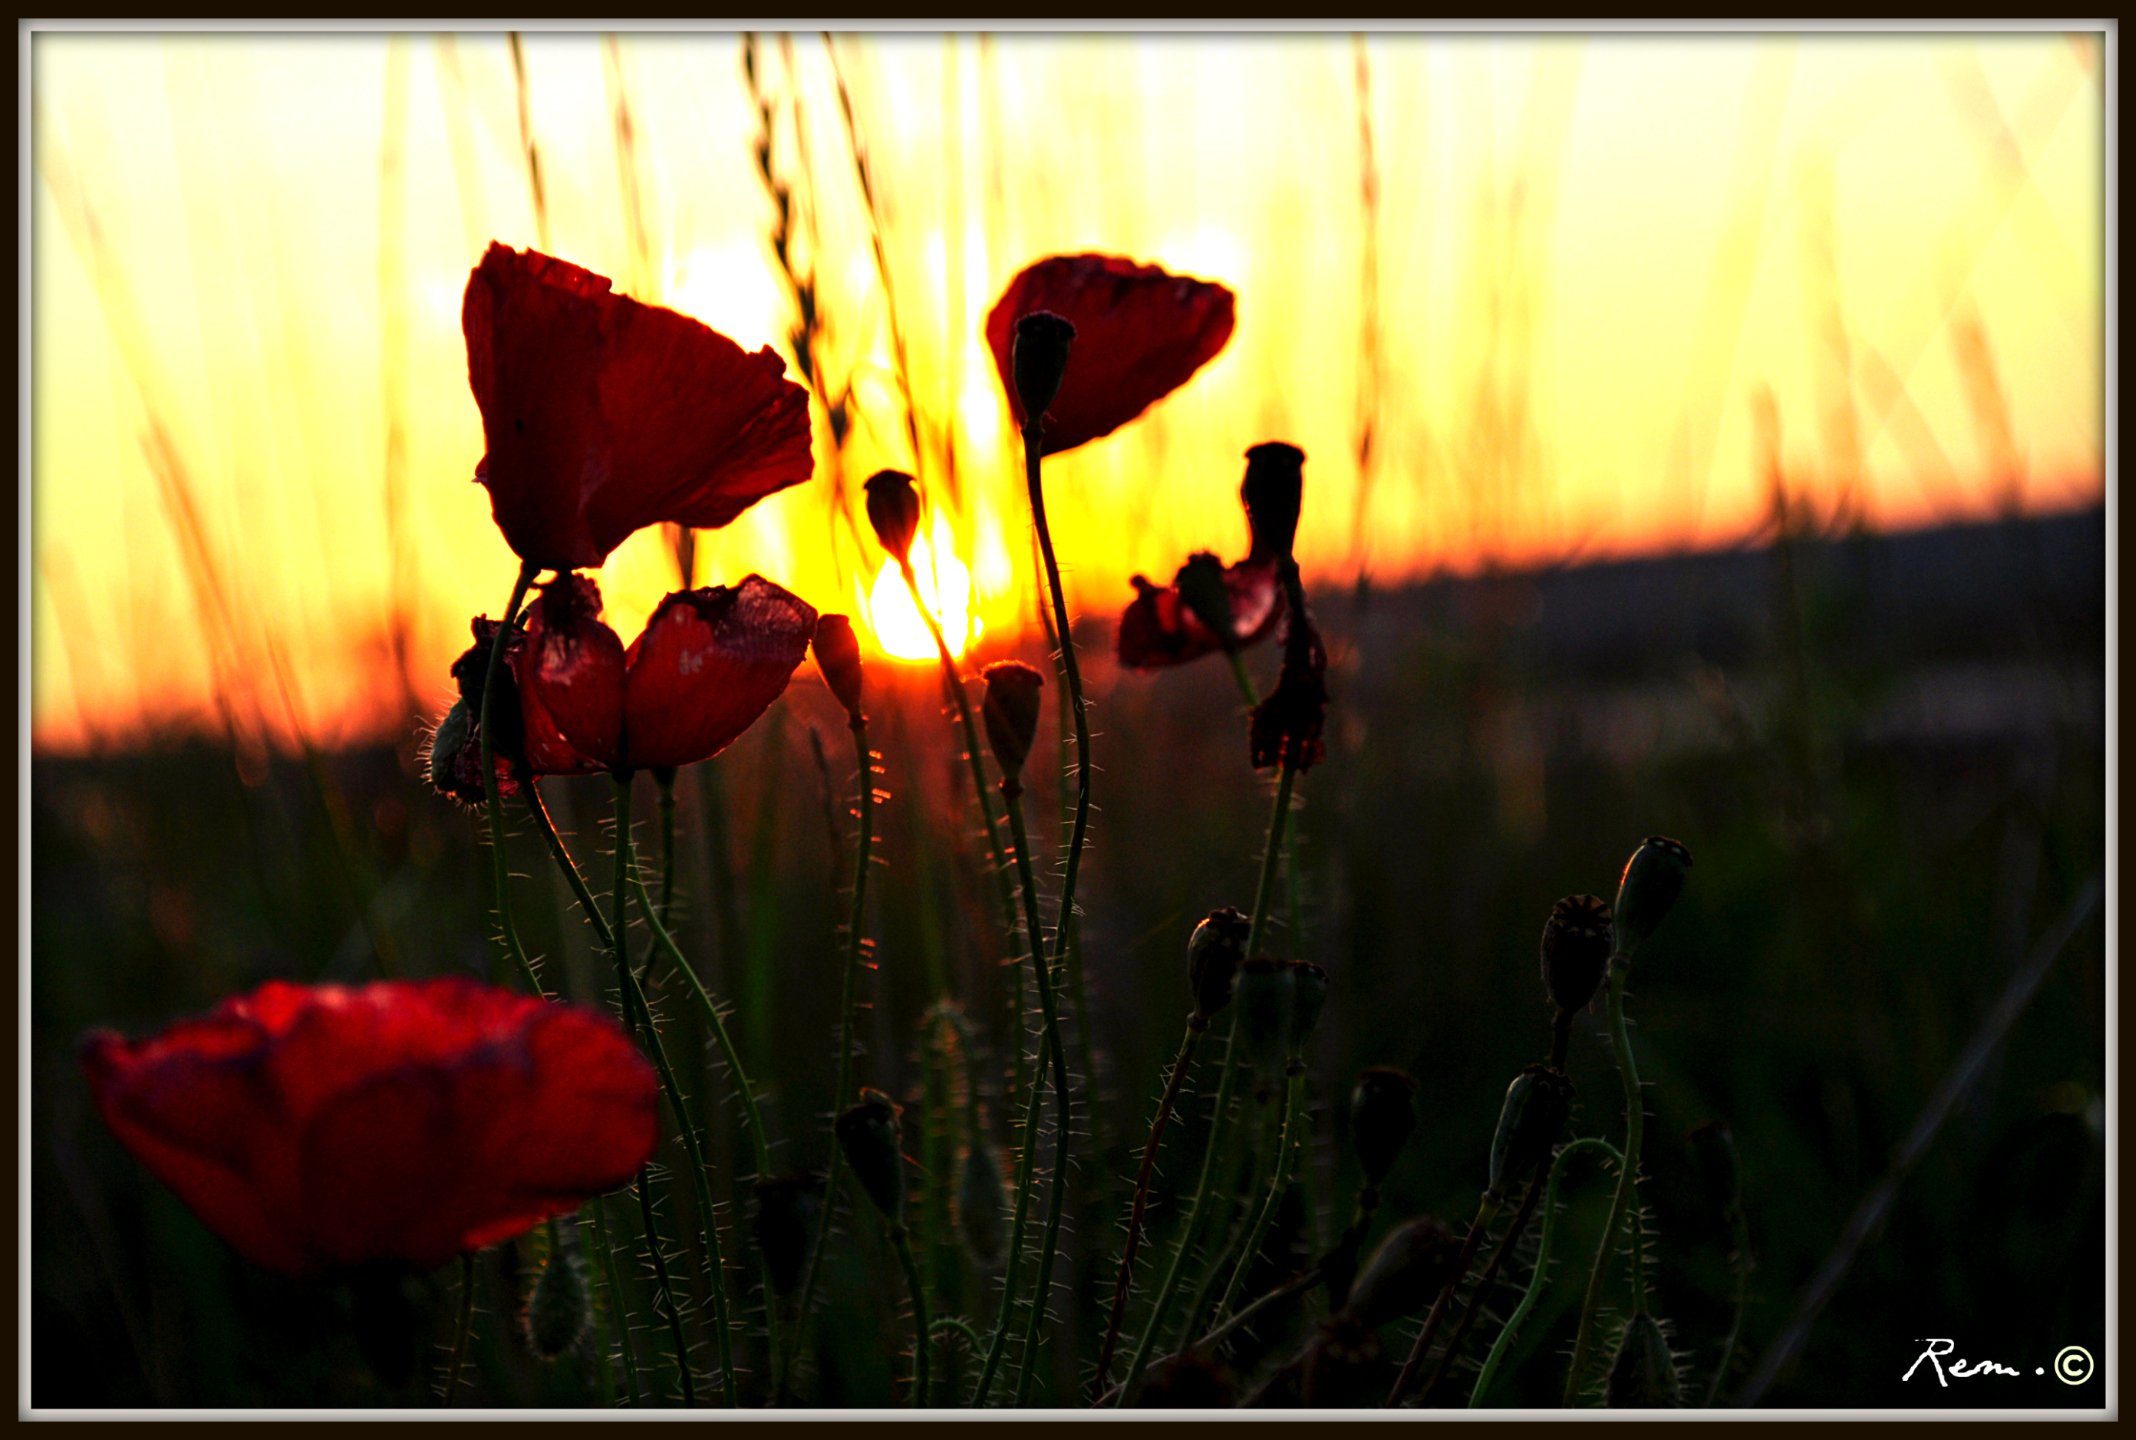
point(920, 1329)
point(1740, 1259)
point(1181, 1064)
point(635, 1014)
point(616, 1303)
point(1238, 673)
point(1536, 1282)
point(856, 942)
point(462, 1326)
point(1499, 1254)
point(500, 869)
point(1627, 1176)
point(547, 827)
point(1288, 1142)
point(1486, 1212)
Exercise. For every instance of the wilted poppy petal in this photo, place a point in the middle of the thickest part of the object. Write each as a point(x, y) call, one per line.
point(570, 677)
point(709, 663)
point(323, 1128)
point(1158, 630)
point(603, 415)
point(1140, 334)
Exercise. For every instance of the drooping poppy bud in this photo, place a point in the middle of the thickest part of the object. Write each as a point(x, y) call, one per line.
point(894, 511)
point(1576, 949)
point(869, 1135)
point(1161, 628)
point(449, 749)
point(1272, 492)
point(1720, 1171)
point(602, 415)
point(1653, 878)
point(1011, 712)
point(1038, 359)
point(838, 657)
point(1286, 727)
point(1215, 951)
point(1140, 334)
point(1407, 1271)
point(784, 1223)
point(1189, 1380)
point(1643, 1374)
point(559, 1311)
point(1382, 1116)
point(1537, 1104)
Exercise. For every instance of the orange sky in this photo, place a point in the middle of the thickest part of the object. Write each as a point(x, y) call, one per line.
point(1598, 259)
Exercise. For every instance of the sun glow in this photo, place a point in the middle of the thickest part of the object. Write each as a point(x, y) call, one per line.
point(945, 586)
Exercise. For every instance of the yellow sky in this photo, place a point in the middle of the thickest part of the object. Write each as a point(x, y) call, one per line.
point(1598, 258)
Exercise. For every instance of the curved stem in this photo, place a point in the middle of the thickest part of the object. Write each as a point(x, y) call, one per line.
point(539, 809)
point(462, 1326)
point(1628, 1175)
point(1536, 1282)
point(920, 1328)
point(616, 1304)
point(1741, 1261)
point(856, 944)
point(1288, 1142)
point(500, 868)
point(1180, 1066)
point(1245, 681)
point(1486, 1212)
point(1504, 1248)
point(1264, 892)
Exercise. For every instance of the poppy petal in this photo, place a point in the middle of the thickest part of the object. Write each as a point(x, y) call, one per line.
point(1158, 630)
point(570, 678)
point(709, 663)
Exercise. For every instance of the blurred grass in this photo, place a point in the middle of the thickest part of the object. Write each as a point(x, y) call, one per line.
point(1869, 870)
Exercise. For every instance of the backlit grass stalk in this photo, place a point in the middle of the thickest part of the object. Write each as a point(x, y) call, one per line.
point(500, 871)
point(1496, 1358)
point(856, 943)
point(1627, 1176)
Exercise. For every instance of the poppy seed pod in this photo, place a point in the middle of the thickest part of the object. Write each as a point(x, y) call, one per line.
point(786, 1210)
point(1407, 1271)
point(1214, 953)
point(559, 1311)
point(1038, 360)
point(1011, 714)
point(1538, 1103)
point(1576, 949)
point(894, 511)
point(1207, 597)
point(1642, 1376)
point(869, 1135)
point(1653, 878)
point(837, 654)
point(1382, 1116)
point(1272, 492)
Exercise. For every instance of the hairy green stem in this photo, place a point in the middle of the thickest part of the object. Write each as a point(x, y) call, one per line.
point(1540, 1278)
point(461, 1326)
point(500, 868)
point(1627, 1177)
point(920, 1328)
point(616, 1302)
point(1486, 1212)
point(1288, 1142)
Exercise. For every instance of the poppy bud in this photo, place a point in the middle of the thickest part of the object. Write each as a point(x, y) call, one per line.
point(868, 1132)
point(894, 511)
point(448, 746)
point(1189, 1381)
point(1576, 948)
point(1643, 1375)
point(1202, 590)
point(1382, 1115)
point(1407, 1271)
point(982, 1197)
point(786, 1209)
point(1713, 1151)
point(1538, 1103)
point(1274, 485)
point(1286, 728)
point(838, 657)
point(1038, 360)
point(1214, 951)
point(1011, 712)
point(1279, 1004)
point(1653, 878)
point(559, 1310)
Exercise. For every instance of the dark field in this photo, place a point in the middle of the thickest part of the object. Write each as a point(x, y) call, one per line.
point(1886, 755)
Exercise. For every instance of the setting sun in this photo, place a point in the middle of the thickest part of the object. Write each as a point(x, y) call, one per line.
point(945, 584)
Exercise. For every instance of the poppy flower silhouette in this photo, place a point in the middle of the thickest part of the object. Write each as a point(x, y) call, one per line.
point(319, 1129)
point(709, 663)
point(1159, 628)
point(1140, 334)
point(603, 415)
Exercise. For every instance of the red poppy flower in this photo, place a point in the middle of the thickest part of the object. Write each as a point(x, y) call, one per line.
point(709, 663)
point(1286, 728)
point(321, 1128)
point(1140, 334)
point(603, 415)
point(1159, 629)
